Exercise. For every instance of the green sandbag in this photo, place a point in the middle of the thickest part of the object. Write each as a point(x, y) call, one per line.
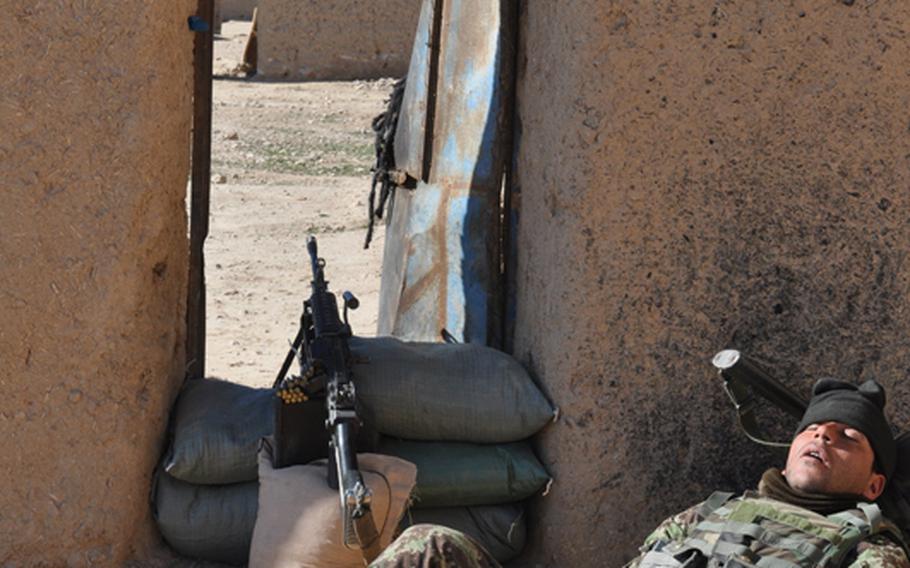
point(211, 522)
point(500, 529)
point(217, 426)
point(442, 391)
point(452, 473)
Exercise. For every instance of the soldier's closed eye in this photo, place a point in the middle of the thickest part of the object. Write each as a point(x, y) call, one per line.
point(854, 435)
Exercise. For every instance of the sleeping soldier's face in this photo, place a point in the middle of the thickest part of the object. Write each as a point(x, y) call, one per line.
point(833, 458)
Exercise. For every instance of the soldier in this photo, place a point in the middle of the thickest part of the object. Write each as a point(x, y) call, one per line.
point(818, 511)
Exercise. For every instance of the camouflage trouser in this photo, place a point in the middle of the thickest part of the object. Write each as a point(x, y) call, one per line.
point(433, 546)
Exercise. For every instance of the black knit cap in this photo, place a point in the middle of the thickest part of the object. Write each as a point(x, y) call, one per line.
point(860, 407)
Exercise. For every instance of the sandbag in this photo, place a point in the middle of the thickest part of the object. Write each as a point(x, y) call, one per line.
point(211, 522)
point(454, 473)
point(299, 521)
point(442, 391)
point(500, 529)
point(216, 427)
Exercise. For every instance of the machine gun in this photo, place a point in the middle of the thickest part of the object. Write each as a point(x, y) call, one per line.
point(743, 379)
point(321, 346)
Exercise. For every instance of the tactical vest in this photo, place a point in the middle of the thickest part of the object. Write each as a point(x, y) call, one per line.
point(764, 533)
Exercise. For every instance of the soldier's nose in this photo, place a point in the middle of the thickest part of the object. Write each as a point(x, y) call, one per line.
point(824, 432)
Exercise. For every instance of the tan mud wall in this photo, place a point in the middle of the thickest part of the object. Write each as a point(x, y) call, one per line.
point(693, 176)
point(94, 151)
point(338, 40)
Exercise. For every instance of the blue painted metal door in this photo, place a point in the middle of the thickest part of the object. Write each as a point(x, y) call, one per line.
point(442, 258)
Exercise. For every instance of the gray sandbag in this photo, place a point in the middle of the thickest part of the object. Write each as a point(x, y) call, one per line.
point(442, 391)
point(211, 522)
point(500, 529)
point(454, 473)
point(217, 426)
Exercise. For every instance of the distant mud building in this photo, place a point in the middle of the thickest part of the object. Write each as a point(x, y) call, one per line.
point(344, 39)
point(237, 9)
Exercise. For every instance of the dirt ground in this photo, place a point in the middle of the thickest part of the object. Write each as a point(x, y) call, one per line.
point(288, 160)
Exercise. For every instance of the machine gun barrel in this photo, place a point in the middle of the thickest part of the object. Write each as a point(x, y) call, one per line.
point(323, 304)
point(313, 249)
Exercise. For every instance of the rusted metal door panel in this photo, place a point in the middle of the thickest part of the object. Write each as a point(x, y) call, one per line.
point(441, 266)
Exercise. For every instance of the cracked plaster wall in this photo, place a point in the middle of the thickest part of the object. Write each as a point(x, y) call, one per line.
point(695, 175)
point(94, 152)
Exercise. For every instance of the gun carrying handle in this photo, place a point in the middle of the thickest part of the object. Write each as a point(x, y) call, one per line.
point(286, 365)
point(735, 367)
point(741, 378)
point(745, 414)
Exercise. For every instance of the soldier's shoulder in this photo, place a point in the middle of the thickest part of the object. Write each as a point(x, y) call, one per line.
point(880, 551)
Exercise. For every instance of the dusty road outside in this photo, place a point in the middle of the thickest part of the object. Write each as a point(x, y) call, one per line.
point(288, 160)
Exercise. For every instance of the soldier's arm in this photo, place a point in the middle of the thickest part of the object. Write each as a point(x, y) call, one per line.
point(673, 529)
point(880, 552)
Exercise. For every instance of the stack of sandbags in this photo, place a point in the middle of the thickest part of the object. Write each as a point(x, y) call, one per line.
point(206, 493)
point(462, 413)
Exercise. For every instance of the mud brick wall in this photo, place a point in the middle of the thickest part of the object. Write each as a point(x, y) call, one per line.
point(337, 40)
point(693, 176)
point(94, 152)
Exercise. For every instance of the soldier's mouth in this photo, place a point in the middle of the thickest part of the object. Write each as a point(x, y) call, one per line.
point(815, 454)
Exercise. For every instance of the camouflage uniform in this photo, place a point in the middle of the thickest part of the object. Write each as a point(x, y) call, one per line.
point(433, 546)
point(876, 551)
